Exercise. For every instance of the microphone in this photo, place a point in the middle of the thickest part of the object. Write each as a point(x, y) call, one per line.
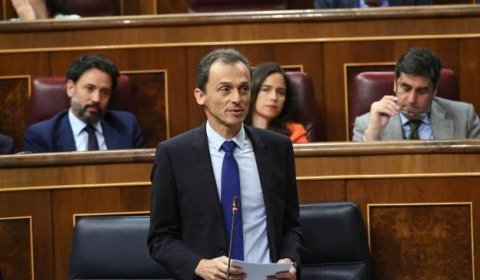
point(230, 241)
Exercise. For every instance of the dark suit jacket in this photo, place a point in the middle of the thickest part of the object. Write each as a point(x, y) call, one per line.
point(7, 145)
point(186, 222)
point(337, 4)
point(120, 129)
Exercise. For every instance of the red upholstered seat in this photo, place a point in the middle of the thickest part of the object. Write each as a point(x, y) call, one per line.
point(307, 112)
point(206, 6)
point(368, 87)
point(49, 97)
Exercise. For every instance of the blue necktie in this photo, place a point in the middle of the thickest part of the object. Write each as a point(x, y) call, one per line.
point(230, 188)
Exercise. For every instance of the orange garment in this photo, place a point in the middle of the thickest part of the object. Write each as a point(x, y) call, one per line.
point(298, 134)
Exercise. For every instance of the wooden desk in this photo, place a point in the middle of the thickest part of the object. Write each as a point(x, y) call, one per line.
point(419, 201)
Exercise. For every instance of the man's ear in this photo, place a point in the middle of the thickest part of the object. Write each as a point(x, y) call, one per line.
point(70, 88)
point(199, 96)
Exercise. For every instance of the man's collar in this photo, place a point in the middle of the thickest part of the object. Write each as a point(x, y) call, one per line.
point(217, 140)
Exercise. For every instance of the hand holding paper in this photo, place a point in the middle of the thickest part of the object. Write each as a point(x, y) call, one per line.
point(260, 271)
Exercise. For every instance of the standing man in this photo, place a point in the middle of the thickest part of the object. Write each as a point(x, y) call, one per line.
point(88, 124)
point(414, 112)
point(190, 218)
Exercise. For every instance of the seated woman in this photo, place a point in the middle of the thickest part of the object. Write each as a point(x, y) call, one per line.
point(272, 103)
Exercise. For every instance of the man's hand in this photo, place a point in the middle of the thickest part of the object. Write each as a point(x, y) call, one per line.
point(291, 274)
point(216, 269)
point(380, 113)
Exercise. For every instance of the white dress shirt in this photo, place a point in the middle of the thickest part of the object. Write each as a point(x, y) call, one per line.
point(81, 136)
point(424, 130)
point(254, 217)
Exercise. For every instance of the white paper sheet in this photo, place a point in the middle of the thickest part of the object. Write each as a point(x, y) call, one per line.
point(260, 271)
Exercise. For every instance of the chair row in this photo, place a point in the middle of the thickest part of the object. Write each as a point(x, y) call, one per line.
point(49, 97)
point(115, 247)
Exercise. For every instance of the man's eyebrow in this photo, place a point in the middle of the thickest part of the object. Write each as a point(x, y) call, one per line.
point(224, 83)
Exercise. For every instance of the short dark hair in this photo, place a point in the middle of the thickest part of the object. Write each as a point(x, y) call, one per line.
point(227, 56)
point(92, 61)
point(419, 62)
point(259, 75)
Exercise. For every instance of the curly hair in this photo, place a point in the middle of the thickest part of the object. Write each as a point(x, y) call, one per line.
point(92, 61)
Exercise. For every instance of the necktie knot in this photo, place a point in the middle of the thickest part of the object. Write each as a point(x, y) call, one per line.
point(228, 146)
point(414, 125)
point(89, 129)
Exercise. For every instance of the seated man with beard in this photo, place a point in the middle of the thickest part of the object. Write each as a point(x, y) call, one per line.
point(87, 125)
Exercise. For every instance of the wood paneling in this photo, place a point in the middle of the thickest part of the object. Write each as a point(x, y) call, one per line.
point(37, 205)
point(322, 42)
point(67, 203)
point(425, 241)
point(15, 252)
point(321, 191)
point(137, 7)
point(52, 188)
point(14, 93)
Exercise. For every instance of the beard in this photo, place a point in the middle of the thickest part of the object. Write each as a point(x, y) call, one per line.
point(87, 116)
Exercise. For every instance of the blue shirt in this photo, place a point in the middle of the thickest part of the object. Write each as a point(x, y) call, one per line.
point(383, 3)
point(254, 216)
point(81, 136)
point(424, 130)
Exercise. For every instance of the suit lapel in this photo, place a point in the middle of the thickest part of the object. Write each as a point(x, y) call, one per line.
point(442, 127)
point(110, 140)
point(65, 140)
point(394, 130)
point(203, 170)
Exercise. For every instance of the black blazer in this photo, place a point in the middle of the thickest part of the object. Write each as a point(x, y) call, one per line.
point(186, 222)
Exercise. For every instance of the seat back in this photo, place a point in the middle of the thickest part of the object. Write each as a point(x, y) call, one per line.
point(49, 97)
point(336, 242)
point(307, 113)
point(207, 6)
point(113, 247)
point(368, 87)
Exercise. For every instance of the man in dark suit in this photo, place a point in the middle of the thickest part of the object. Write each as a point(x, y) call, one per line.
point(187, 227)
point(340, 4)
point(7, 145)
point(87, 125)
